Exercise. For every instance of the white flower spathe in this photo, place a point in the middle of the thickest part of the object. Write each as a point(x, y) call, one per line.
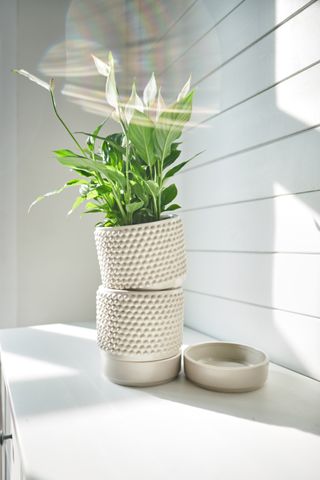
point(134, 103)
point(33, 78)
point(102, 67)
point(150, 91)
point(185, 90)
point(160, 104)
point(111, 88)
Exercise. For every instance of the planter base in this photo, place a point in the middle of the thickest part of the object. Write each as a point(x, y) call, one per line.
point(140, 374)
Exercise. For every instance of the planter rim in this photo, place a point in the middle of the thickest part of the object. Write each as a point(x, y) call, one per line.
point(103, 289)
point(122, 358)
point(166, 218)
point(247, 348)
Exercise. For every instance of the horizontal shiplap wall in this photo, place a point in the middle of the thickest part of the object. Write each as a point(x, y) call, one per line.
point(251, 201)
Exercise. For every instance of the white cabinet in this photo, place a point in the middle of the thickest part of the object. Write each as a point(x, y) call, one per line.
point(11, 468)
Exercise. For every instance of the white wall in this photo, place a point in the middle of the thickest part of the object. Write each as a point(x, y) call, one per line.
point(8, 162)
point(251, 202)
point(49, 270)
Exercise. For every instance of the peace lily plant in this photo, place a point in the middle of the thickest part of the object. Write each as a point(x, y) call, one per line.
point(126, 176)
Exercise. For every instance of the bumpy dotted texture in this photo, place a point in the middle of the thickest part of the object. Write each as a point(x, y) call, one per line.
point(145, 256)
point(140, 325)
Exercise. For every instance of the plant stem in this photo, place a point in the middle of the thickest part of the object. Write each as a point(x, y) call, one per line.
point(124, 216)
point(160, 183)
point(98, 175)
point(64, 124)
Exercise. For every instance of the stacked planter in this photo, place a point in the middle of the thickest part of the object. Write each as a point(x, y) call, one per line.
point(140, 301)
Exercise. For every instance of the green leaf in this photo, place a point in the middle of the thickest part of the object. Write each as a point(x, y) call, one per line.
point(108, 139)
point(168, 194)
point(92, 194)
point(77, 162)
point(153, 187)
point(140, 134)
point(82, 163)
point(173, 206)
point(76, 181)
point(92, 208)
point(174, 170)
point(140, 192)
point(170, 124)
point(171, 158)
point(177, 168)
point(97, 130)
point(84, 173)
point(110, 201)
point(132, 207)
point(114, 175)
point(112, 150)
point(104, 189)
point(70, 183)
point(175, 145)
point(65, 153)
point(90, 144)
point(76, 204)
point(137, 170)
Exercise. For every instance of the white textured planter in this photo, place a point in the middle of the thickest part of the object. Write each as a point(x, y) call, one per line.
point(147, 256)
point(139, 326)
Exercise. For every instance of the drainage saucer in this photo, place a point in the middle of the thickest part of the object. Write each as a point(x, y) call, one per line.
point(226, 367)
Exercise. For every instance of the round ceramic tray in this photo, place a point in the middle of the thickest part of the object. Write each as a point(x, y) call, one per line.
point(226, 367)
point(140, 374)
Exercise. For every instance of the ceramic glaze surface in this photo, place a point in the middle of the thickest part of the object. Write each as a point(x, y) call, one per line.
point(147, 256)
point(140, 326)
point(140, 374)
point(226, 367)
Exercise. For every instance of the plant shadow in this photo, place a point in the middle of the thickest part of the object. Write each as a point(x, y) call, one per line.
point(287, 399)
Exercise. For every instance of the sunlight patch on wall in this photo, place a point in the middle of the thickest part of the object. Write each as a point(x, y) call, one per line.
point(296, 336)
point(295, 234)
point(296, 49)
point(296, 221)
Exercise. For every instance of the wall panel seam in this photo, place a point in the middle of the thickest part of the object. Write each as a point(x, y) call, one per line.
point(177, 21)
point(271, 30)
point(252, 304)
point(203, 36)
point(251, 148)
point(252, 252)
point(256, 94)
point(249, 200)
